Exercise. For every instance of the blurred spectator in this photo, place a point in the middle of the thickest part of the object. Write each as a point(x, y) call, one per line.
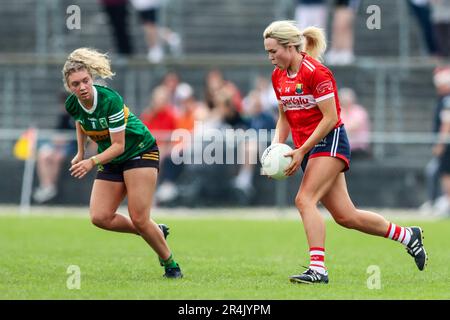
point(156, 36)
point(422, 11)
point(342, 33)
point(189, 108)
point(267, 97)
point(441, 22)
point(224, 99)
point(117, 11)
point(50, 157)
point(180, 93)
point(161, 119)
point(311, 13)
point(171, 81)
point(441, 170)
point(357, 123)
point(258, 110)
point(189, 112)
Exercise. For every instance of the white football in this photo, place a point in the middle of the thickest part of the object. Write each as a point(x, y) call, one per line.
point(274, 162)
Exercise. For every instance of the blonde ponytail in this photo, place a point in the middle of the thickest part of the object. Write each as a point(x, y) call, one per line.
point(316, 43)
point(96, 64)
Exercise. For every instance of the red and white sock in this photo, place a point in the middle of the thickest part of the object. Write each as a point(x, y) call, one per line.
point(397, 233)
point(317, 259)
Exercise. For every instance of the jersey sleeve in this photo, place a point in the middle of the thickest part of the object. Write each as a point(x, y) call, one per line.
point(275, 83)
point(116, 115)
point(322, 84)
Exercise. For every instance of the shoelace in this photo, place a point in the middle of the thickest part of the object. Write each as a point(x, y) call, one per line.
point(310, 272)
point(307, 268)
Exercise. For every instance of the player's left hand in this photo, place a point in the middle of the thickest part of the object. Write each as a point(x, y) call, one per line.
point(297, 158)
point(80, 169)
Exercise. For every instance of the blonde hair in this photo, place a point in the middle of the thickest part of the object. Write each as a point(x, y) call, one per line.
point(311, 40)
point(96, 64)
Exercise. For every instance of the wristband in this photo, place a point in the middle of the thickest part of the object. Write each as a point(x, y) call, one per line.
point(95, 160)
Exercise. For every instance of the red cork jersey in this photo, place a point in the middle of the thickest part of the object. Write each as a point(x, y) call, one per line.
point(300, 93)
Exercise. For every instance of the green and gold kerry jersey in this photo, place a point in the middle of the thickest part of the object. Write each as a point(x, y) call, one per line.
point(110, 114)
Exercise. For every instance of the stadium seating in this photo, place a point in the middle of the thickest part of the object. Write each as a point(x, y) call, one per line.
point(226, 34)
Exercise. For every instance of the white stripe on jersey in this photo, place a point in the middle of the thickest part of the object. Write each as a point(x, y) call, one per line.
point(327, 96)
point(117, 115)
point(117, 120)
point(118, 129)
point(309, 64)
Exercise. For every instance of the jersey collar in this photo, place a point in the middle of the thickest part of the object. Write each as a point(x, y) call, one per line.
point(293, 76)
point(94, 105)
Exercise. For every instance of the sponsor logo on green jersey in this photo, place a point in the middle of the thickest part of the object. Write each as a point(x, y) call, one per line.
point(103, 123)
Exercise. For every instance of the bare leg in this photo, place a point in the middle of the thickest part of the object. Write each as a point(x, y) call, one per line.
point(151, 34)
point(141, 185)
point(106, 197)
point(48, 166)
point(319, 176)
point(341, 207)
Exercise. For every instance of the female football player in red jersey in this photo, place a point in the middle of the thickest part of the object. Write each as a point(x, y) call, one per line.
point(127, 159)
point(309, 108)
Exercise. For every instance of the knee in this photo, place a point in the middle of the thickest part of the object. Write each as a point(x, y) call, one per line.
point(347, 221)
point(140, 221)
point(101, 221)
point(303, 203)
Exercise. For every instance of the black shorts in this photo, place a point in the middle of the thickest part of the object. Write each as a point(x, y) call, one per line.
point(114, 172)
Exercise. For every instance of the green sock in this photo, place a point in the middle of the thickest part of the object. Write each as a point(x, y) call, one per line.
point(169, 263)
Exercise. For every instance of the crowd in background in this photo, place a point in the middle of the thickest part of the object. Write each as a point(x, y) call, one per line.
point(173, 104)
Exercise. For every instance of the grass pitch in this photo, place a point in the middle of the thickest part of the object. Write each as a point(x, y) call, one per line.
point(222, 258)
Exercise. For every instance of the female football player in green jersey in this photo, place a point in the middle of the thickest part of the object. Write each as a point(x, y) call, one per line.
point(128, 157)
